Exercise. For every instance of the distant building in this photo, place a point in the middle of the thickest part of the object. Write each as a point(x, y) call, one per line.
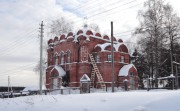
point(68, 60)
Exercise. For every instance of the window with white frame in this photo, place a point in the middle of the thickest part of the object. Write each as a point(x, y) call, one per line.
point(56, 60)
point(122, 58)
point(68, 57)
point(98, 58)
point(62, 58)
point(109, 57)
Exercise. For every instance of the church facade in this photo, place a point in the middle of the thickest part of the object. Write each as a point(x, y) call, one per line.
point(69, 59)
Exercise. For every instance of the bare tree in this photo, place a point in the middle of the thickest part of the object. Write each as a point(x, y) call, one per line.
point(158, 32)
point(150, 30)
point(94, 27)
point(37, 67)
point(59, 26)
point(172, 29)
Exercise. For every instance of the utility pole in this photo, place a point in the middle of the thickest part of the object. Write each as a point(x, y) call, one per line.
point(41, 54)
point(8, 85)
point(112, 54)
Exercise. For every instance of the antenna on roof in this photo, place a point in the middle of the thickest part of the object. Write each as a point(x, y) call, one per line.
point(85, 22)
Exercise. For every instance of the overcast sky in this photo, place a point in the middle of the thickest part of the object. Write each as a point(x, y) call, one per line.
point(19, 29)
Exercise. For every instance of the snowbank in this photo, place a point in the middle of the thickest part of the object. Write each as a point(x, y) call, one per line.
point(120, 101)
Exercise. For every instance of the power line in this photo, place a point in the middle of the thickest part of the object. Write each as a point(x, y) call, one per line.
point(106, 16)
point(89, 4)
point(120, 10)
point(123, 35)
point(115, 7)
point(11, 49)
point(103, 12)
point(98, 13)
point(16, 41)
point(100, 2)
point(18, 68)
point(104, 6)
point(124, 32)
point(14, 78)
point(111, 9)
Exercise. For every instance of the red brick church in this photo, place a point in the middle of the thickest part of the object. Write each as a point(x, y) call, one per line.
point(86, 52)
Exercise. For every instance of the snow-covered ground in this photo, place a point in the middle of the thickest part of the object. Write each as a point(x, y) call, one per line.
point(154, 100)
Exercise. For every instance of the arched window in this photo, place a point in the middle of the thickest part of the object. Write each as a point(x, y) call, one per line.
point(56, 60)
point(84, 54)
point(62, 58)
point(97, 58)
point(68, 56)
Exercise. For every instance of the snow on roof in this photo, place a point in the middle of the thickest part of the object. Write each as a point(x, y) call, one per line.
point(63, 40)
point(116, 46)
point(70, 37)
point(167, 77)
point(84, 34)
point(60, 70)
point(34, 88)
point(85, 78)
point(84, 30)
point(103, 46)
point(124, 71)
